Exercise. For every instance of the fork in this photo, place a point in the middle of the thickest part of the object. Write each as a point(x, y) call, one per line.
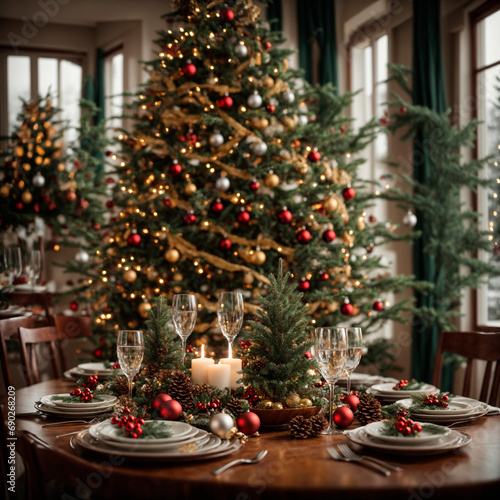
point(337, 456)
point(69, 422)
point(349, 453)
point(253, 460)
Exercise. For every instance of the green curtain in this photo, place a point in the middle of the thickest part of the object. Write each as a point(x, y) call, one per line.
point(316, 20)
point(429, 91)
point(274, 11)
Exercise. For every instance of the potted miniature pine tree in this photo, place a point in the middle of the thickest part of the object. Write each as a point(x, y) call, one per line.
point(278, 366)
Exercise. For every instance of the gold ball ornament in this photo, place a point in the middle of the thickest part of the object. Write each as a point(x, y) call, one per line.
point(331, 204)
point(143, 309)
point(190, 189)
point(260, 123)
point(266, 404)
point(27, 197)
point(248, 278)
point(272, 180)
point(133, 323)
point(177, 289)
point(293, 400)
point(305, 403)
point(268, 82)
point(288, 122)
point(61, 167)
point(277, 406)
point(18, 151)
point(130, 276)
point(172, 255)
point(4, 191)
point(258, 258)
point(177, 277)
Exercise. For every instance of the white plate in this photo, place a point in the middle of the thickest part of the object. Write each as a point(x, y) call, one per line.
point(66, 409)
point(387, 389)
point(106, 399)
point(55, 412)
point(178, 430)
point(94, 368)
point(375, 430)
point(25, 287)
point(76, 373)
point(455, 407)
point(453, 441)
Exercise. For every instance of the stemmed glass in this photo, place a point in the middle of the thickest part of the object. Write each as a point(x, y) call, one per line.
point(130, 351)
point(230, 312)
point(354, 347)
point(330, 352)
point(184, 311)
point(33, 266)
point(13, 262)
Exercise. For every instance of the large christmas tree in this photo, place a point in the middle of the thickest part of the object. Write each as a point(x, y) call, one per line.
point(234, 163)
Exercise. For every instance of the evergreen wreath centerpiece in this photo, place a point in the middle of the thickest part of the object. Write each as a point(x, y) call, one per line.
point(278, 369)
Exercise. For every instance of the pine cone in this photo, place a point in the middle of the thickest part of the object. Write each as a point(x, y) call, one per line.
point(152, 369)
point(235, 406)
point(198, 390)
point(148, 390)
point(258, 364)
point(318, 425)
point(300, 427)
point(121, 385)
point(369, 409)
point(181, 389)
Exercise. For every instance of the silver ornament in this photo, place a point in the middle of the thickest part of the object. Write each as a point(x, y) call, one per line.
point(216, 140)
point(254, 100)
point(61, 219)
point(259, 148)
point(285, 154)
point(82, 257)
point(222, 183)
point(195, 162)
point(241, 50)
point(288, 97)
point(303, 120)
point(38, 180)
point(410, 219)
point(222, 425)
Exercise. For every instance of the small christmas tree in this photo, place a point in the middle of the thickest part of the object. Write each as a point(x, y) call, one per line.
point(278, 364)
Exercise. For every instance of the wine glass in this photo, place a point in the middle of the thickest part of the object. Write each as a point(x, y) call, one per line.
point(13, 262)
point(184, 311)
point(331, 354)
point(33, 266)
point(130, 351)
point(230, 312)
point(354, 347)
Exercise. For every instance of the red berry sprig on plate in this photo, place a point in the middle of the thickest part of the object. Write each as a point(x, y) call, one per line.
point(432, 400)
point(407, 427)
point(133, 425)
point(85, 394)
point(400, 386)
point(91, 382)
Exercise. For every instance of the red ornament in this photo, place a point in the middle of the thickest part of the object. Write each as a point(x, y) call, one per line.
point(254, 186)
point(304, 285)
point(96, 226)
point(347, 309)
point(271, 108)
point(70, 196)
point(73, 305)
point(243, 217)
point(225, 102)
point(19, 206)
point(248, 423)
point(372, 219)
point(303, 236)
point(343, 417)
point(216, 207)
point(378, 305)
point(227, 15)
point(384, 121)
point(285, 216)
point(324, 276)
point(189, 69)
point(102, 341)
point(370, 248)
point(308, 355)
point(160, 399)
point(167, 202)
point(329, 235)
point(267, 45)
point(348, 193)
point(225, 244)
point(83, 203)
point(134, 240)
point(110, 204)
point(189, 218)
point(170, 410)
point(352, 401)
point(403, 110)
point(98, 353)
point(314, 156)
point(175, 168)
point(36, 208)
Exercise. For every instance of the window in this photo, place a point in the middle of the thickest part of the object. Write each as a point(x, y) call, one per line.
point(113, 87)
point(486, 69)
point(38, 74)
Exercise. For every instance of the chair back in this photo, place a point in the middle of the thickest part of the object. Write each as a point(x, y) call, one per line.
point(473, 346)
point(9, 330)
point(70, 327)
point(30, 337)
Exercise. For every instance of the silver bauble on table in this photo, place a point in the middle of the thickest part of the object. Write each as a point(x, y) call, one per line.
point(216, 140)
point(259, 148)
point(222, 425)
point(38, 180)
point(288, 97)
point(222, 183)
point(254, 100)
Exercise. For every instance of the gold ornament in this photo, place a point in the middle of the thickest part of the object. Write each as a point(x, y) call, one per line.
point(332, 306)
point(268, 82)
point(172, 255)
point(177, 289)
point(361, 223)
point(258, 258)
point(260, 123)
point(272, 180)
point(277, 406)
point(248, 278)
point(143, 309)
point(61, 167)
point(130, 276)
point(26, 197)
point(133, 323)
point(190, 189)
point(331, 204)
point(266, 404)
point(4, 191)
point(288, 122)
point(305, 403)
point(178, 277)
point(18, 151)
point(293, 400)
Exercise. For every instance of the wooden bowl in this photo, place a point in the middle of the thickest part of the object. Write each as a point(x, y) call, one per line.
point(282, 417)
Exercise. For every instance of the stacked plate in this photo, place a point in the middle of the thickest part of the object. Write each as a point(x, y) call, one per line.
point(363, 379)
point(426, 443)
point(459, 410)
point(88, 369)
point(54, 405)
point(186, 443)
point(387, 395)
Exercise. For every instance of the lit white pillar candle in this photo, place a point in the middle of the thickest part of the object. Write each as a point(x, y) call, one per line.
point(235, 365)
point(199, 368)
point(219, 375)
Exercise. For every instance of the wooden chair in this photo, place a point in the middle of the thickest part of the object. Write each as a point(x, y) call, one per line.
point(24, 299)
point(472, 345)
point(9, 330)
point(30, 364)
point(70, 327)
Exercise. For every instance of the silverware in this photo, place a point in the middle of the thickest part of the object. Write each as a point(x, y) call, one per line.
point(349, 453)
point(253, 460)
point(68, 434)
point(337, 456)
point(68, 422)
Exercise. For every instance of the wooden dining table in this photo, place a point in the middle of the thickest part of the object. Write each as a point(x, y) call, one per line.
point(293, 468)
